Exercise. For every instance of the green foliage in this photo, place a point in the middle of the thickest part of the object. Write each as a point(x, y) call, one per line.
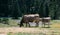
point(5, 20)
point(0, 20)
point(17, 8)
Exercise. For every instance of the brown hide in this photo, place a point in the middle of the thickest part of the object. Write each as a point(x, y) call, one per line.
point(47, 19)
point(28, 18)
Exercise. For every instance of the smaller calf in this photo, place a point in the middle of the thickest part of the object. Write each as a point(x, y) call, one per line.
point(46, 21)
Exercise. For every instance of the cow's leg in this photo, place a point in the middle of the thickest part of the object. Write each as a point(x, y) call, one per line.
point(26, 24)
point(29, 24)
point(37, 24)
point(43, 24)
point(48, 24)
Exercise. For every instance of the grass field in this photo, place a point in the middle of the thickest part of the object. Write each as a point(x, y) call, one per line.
point(14, 29)
point(30, 31)
point(26, 34)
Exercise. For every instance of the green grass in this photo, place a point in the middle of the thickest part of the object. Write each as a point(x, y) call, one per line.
point(25, 33)
point(11, 22)
point(41, 33)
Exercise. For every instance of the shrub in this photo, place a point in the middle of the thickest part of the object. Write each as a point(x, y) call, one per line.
point(0, 20)
point(5, 20)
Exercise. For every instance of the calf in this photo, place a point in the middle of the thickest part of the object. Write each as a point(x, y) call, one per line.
point(46, 21)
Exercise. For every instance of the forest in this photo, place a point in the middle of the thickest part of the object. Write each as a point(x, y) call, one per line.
point(17, 8)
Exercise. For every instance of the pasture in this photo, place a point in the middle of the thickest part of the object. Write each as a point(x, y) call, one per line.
point(14, 29)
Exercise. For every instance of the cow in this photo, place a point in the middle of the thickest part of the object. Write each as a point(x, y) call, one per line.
point(30, 18)
point(46, 21)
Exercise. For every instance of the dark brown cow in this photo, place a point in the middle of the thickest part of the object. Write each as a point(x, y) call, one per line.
point(30, 18)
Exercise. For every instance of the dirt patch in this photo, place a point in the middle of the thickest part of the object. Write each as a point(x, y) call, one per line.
point(17, 29)
point(26, 30)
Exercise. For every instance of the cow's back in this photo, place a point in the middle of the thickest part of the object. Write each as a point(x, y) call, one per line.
point(31, 18)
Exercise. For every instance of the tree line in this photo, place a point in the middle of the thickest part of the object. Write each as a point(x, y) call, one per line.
point(17, 8)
